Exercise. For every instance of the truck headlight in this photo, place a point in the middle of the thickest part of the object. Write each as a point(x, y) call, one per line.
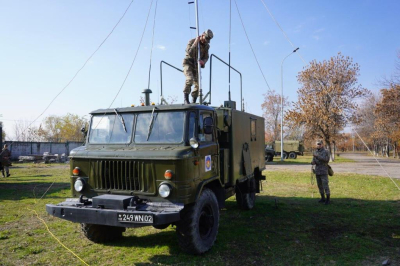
point(164, 190)
point(79, 185)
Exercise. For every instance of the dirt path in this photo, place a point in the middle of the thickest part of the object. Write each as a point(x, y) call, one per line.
point(364, 164)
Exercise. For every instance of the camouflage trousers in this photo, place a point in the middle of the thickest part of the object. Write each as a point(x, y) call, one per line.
point(191, 78)
point(6, 169)
point(323, 184)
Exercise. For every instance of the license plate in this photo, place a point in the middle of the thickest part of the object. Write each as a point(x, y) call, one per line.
point(135, 218)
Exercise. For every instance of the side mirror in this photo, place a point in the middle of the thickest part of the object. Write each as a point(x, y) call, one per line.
point(84, 131)
point(208, 125)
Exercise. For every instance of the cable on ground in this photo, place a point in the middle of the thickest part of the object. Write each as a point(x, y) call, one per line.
point(58, 240)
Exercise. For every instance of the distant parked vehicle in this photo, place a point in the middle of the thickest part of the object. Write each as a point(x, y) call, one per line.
point(269, 153)
point(291, 148)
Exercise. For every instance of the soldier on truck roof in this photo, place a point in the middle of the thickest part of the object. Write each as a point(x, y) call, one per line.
point(190, 63)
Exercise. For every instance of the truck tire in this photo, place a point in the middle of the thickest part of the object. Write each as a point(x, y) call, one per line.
point(245, 200)
point(102, 233)
point(285, 155)
point(292, 155)
point(161, 226)
point(198, 227)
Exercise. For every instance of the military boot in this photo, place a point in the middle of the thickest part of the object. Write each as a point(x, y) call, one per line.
point(322, 200)
point(328, 199)
point(186, 98)
point(2, 172)
point(194, 99)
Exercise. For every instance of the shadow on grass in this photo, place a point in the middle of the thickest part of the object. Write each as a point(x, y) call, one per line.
point(290, 231)
point(23, 190)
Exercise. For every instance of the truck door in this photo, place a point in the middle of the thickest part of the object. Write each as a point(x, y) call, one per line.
point(208, 146)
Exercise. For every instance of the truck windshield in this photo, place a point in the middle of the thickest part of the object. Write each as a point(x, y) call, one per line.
point(111, 129)
point(166, 127)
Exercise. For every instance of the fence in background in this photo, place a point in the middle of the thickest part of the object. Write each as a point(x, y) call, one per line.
point(22, 148)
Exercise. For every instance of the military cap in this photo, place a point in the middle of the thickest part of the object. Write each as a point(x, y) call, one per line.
point(319, 142)
point(208, 34)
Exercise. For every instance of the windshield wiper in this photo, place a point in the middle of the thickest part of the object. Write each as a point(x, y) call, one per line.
point(151, 124)
point(122, 119)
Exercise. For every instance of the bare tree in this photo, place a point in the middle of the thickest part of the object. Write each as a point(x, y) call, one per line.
point(272, 114)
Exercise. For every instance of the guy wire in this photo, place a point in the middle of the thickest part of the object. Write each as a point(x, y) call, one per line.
point(80, 69)
point(244, 28)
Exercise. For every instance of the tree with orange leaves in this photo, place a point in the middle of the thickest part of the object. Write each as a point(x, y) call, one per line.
point(327, 99)
point(387, 111)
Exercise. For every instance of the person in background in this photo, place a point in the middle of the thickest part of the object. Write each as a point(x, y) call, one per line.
point(320, 160)
point(5, 156)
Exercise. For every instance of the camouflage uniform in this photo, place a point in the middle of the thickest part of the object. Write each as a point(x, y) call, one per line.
point(5, 161)
point(190, 65)
point(321, 170)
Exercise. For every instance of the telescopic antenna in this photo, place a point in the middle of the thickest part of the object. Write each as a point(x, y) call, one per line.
point(230, 25)
point(198, 51)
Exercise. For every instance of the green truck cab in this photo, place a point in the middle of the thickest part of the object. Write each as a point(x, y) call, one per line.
point(164, 165)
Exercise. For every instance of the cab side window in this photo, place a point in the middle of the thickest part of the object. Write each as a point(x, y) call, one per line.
point(203, 137)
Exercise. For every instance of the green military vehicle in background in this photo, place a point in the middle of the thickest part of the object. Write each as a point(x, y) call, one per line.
point(291, 148)
point(164, 165)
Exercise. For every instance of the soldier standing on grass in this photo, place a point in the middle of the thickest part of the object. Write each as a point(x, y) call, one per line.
point(190, 63)
point(5, 160)
point(321, 159)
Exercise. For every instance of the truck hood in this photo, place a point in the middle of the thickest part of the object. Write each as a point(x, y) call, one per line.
point(145, 152)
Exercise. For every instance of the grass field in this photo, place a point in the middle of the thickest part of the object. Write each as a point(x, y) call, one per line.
point(287, 226)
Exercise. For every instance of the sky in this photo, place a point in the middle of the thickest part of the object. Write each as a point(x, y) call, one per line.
point(45, 42)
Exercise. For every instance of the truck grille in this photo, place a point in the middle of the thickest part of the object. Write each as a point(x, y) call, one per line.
point(123, 175)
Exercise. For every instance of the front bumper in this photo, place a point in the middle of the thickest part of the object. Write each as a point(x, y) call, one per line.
point(106, 213)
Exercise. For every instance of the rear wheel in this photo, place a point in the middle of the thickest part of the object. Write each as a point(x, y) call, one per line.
point(285, 155)
point(198, 227)
point(102, 233)
point(292, 155)
point(246, 195)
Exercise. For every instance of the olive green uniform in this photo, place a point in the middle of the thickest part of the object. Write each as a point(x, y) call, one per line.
point(190, 65)
point(5, 161)
point(321, 170)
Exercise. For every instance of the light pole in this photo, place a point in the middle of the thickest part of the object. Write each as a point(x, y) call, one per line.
point(295, 50)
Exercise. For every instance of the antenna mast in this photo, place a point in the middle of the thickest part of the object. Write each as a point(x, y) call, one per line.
point(198, 52)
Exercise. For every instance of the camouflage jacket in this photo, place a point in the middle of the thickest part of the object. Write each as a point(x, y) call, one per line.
point(321, 161)
point(191, 53)
point(5, 157)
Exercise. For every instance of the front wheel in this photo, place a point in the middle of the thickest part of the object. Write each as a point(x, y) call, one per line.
point(198, 227)
point(102, 233)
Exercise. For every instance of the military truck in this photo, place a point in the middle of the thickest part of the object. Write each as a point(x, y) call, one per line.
point(161, 165)
point(291, 148)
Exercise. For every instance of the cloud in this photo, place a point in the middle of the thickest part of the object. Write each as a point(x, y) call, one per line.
point(161, 47)
point(316, 37)
point(319, 30)
point(298, 28)
point(266, 42)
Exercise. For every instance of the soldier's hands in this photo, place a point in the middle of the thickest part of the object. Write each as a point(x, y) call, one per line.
point(201, 63)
